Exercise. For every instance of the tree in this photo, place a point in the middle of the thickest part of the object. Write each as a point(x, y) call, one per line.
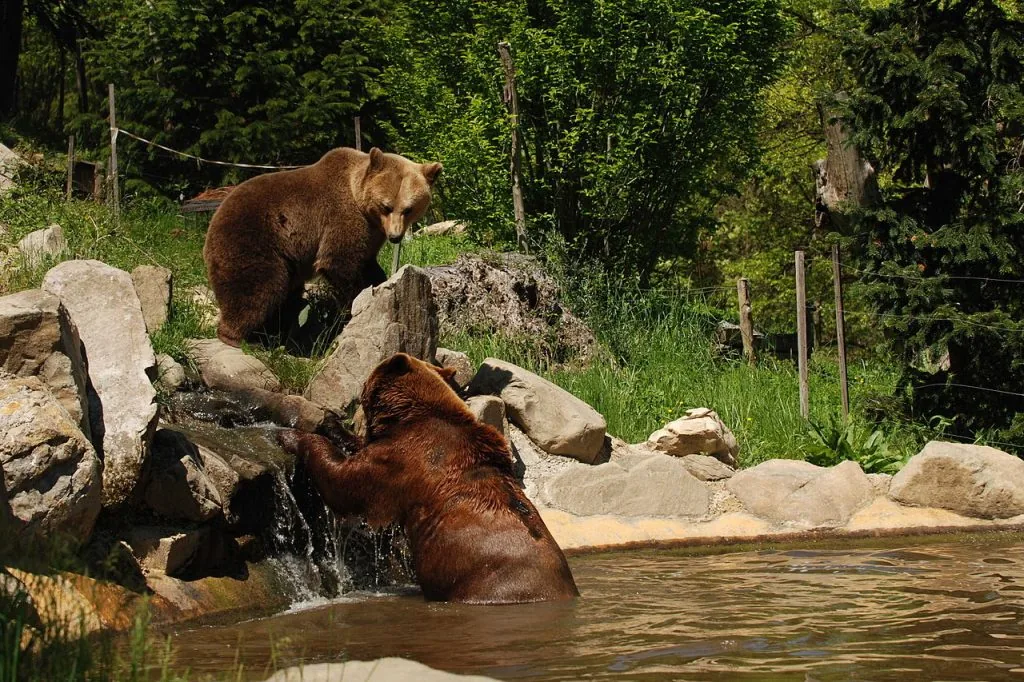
point(11, 17)
point(938, 105)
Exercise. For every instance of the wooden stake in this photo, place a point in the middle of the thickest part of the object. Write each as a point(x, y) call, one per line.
point(511, 98)
point(746, 319)
point(115, 191)
point(801, 336)
point(396, 257)
point(71, 167)
point(359, 134)
point(837, 279)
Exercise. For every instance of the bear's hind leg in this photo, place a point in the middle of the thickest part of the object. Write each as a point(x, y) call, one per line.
point(248, 298)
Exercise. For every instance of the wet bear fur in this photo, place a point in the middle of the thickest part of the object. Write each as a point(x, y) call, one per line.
point(276, 231)
point(446, 478)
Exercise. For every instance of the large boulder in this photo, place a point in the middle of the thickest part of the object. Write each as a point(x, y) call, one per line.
point(654, 485)
point(52, 477)
point(488, 409)
point(36, 247)
point(972, 480)
point(153, 287)
point(700, 432)
point(103, 306)
point(178, 487)
point(508, 294)
point(226, 368)
point(559, 422)
point(801, 494)
point(396, 316)
point(37, 338)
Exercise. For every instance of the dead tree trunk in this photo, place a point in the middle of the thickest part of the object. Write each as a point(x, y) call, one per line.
point(844, 180)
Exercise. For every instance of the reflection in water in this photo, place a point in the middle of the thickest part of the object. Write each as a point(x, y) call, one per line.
point(950, 611)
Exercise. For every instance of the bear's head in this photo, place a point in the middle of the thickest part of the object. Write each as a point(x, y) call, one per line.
point(396, 192)
point(402, 388)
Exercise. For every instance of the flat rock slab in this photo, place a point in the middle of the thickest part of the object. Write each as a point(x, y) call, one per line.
point(801, 494)
point(972, 480)
point(557, 421)
point(656, 486)
point(227, 368)
point(389, 669)
point(103, 306)
point(700, 432)
point(398, 316)
point(153, 287)
point(707, 468)
point(49, 472)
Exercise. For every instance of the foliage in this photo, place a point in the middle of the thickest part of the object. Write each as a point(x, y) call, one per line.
point(938, 103)
point(635, 115)
point(839, 441)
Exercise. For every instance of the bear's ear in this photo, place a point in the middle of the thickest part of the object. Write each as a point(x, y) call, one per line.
point(396, 364)
point(376, 162)
point(430, 171)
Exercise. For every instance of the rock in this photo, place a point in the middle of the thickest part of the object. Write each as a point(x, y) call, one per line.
point(880, 482)
point(508, 294)
point(972, 480)
point(397, 316)
point(52, 478)
point(177, 486)
point(35, 247)
point(170, 375)
point(389, 669)
point(153, 287)
point(444, 227)
point(559, 422)
point(488, 409)
point(102, 304)
point(802, 494)
point(653, 486)
point(292, 411)
point(460, 362)
point(166, 550)
point(227, 368)
point(700, 432)
point(202, 298)
point(10, 162)
point(706, 468)
point(37, 338)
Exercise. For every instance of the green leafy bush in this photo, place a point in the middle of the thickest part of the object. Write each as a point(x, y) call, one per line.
point(839, 441)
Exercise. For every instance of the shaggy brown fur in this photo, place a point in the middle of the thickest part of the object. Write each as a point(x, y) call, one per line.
point(429, 465)
point(275, 231)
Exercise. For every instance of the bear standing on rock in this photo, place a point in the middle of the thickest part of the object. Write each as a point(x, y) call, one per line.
point(276, 231)
point(429, 465)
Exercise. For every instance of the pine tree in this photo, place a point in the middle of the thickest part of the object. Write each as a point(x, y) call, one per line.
point(939, 106)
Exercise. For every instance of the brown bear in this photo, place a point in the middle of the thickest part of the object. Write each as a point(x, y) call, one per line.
point(276, 231)
point(446, 478)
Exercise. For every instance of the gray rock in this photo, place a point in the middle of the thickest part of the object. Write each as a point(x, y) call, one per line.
point(37, 338)
point(707, 468)
point(442, 228)
point(177, 487)
point(557, 421)
point(802, 494)
point(880, 482)
point(153, 287)
point(37, 246)
point(656, 486)
point(103, 306)
point(460, 362)
point(170, 375)
point(700, 432)
point(397, 316)
point(972, 480)
point(488, 409)
point(227, 368)
point(166, 550)
point(52, 478)
point(383, 669)
point(10, 163)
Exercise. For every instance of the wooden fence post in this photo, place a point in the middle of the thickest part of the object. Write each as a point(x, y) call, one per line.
point(71, 166)
point(115, 191)
point(837, 279)
point(801, 335)
point(746, 319)
point(359, 134)
point(511, 98)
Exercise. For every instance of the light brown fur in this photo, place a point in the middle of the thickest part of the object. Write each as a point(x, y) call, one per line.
point(276, 231)
point(429, 465)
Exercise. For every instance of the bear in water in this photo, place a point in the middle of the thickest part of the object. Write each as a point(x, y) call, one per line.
point(429, 465)
point(276, 231)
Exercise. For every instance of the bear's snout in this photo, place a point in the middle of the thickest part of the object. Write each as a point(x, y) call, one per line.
point(395, 238)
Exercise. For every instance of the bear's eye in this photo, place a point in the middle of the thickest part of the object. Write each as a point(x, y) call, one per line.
point(406, 211)
point(386, 209)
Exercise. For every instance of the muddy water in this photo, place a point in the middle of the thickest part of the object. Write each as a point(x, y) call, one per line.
point(938, 611)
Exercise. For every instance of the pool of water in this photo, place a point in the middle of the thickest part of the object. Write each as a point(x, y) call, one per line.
point(935, 611)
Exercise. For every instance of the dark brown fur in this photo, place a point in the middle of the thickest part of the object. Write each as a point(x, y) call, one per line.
point(429, 465)
point(276, 231)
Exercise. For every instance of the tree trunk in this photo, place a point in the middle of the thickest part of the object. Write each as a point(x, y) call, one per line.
point(80, 79)
point(844, 180)
point(11, 12)
point(60, 84)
